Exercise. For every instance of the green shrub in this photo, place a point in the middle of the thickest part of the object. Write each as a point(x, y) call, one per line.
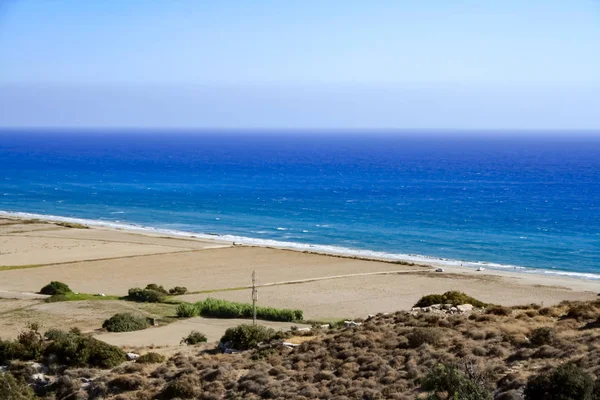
point(229, 309)
point(13, 389)
point(566, 382)
point(178, 290)
point(193, 338)
point(420, 336)
point(244, 337)
point(9, 351)
point(542, 336)
point(30, 343)
point(150, 358)
point(156, 288)
point(56, 287)
point(453, 297)
point(448, 379)
point(125, 322)
point(187, 310)
point(146, 295)
point(75, 350)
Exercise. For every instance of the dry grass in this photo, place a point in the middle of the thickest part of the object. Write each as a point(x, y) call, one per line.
point(384, 358)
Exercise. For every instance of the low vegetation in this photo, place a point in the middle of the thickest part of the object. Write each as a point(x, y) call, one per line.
point(56, 288)
point(527, 354)
point(194, 338)
point(228, 309)
point(125, 322)
point(150, 358)
point(566, 381)
point(453, 297)
point(146, 295)
point(244, 337)
point(154, 293)
point(178, 291)
point(56, 347)
point(14, 389)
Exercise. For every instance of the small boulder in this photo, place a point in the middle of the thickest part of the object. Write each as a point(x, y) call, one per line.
point(463, 308)
point(132, 356)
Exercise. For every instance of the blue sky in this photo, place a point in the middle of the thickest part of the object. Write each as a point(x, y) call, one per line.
point(300, 64)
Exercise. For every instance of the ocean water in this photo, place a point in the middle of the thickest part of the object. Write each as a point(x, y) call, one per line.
point(532, 203)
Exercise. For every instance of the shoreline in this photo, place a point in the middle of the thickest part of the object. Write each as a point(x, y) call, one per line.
point(451, 266)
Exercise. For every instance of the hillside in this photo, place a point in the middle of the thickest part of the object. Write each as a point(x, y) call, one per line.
point(491, 352)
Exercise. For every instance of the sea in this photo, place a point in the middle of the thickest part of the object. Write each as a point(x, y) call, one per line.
point(505, 200)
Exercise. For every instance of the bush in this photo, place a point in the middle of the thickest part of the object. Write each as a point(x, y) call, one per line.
point(582, 312)
point(30, 343)
point(154, 287)
point(126, 383)
point(453, 297)
point(244, 337)
point(499, 310)
point(150, 358)
point(420, 336)
point(193, 338)
point(125, 322)
point(184, 387)
point(56, 287)
point(229, 309)
point(13, 389)
point(146, 295)
point(187, 310)
point(448, 379)
point(75, 350)
point(542, 336)
point(566, 382)
point(178, 291)
point(9, 351)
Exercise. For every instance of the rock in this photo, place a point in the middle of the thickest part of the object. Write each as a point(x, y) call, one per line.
point(463, 308)
point(40, 379)
point(351, 324)
point(370, 316)
point(303, 330)
point(40, 368)
point(436, 306)
point(415, 309)
point(439, 270)
point(325, 326)
point(288, 344)
point(453, 310)
point(447, 306)
point(132, 356)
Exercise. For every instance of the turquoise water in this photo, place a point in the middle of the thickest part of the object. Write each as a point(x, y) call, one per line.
point(511, 202)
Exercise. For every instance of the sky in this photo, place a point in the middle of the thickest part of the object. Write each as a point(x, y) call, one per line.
point(311, 64)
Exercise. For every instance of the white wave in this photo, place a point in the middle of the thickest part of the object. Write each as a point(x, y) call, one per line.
point(118, 212)
point(281, 229)
point(328, 249)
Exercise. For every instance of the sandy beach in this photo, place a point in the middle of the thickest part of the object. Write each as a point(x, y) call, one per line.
point(109, 261)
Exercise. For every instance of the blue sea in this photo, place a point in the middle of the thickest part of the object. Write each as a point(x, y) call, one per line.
point(505, 201)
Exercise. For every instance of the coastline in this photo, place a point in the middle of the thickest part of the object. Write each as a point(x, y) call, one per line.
point(531, 276)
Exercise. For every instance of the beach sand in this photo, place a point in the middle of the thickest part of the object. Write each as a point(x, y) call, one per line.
point(101, 260)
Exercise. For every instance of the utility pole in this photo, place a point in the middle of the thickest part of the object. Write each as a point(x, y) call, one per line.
point(254, 297)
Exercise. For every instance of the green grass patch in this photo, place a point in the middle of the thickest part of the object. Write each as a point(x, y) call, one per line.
point(229, 309)
point(79, 297)
point(13, 267)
